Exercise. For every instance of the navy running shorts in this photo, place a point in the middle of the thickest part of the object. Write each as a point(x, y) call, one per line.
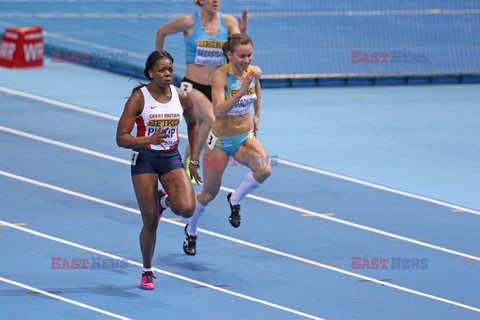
point(153, 161)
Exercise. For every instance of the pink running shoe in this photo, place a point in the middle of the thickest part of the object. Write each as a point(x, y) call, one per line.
point(161, 193)
point(147, 282)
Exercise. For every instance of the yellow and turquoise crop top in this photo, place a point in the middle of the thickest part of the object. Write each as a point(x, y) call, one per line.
point(246, 102)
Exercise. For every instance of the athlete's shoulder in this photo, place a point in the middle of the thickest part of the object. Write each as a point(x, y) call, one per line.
point(220, 75)
point(136, 101)
point(231, 23)
point(229, 19)
point(183, 22)
point(137, 94)
point(184, 97)
point(257, 70)
point(187, 20)
point(180, 92)
point(221, 70)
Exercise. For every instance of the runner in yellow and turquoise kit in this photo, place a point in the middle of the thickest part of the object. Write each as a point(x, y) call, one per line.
point(236, 91)
point(231, 144)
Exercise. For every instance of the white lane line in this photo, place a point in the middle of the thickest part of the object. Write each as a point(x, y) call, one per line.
point(379, 187)
point(284, 162)
point(170, 274)
point(63, 145)
point(262, 199)
point(58, 103)
point(51, 295)
point(245, 243)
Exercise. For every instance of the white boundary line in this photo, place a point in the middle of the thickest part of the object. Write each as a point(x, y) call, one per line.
point(63, 145)
point(284, 162)
point(262, 199)
point(380, 187)
point(170, 274)
point(276, 252)
point(59, 103)
point(51, 295)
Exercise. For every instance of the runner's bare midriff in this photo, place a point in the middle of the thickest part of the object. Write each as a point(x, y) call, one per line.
point(200, 73)
point(232, 125)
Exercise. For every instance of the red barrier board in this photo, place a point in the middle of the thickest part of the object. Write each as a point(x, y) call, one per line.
point(22, 47)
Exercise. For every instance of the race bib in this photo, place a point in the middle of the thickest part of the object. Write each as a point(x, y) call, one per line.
point(211, 140)
point(186, 86)
point(134, 158)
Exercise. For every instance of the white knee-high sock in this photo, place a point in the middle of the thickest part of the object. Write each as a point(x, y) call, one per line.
point(193, 221)
point(247, 185)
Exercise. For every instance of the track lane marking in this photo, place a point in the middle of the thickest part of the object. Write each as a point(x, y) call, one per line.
point(281, 161)
point(258, 198)
point(51, 295)
point(238, 241)
point(162, 271)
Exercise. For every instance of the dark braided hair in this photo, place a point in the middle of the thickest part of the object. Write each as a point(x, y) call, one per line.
point(151, 60)
point(233, 41)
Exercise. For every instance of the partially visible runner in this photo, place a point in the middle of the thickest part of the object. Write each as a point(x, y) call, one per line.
point(204, 32)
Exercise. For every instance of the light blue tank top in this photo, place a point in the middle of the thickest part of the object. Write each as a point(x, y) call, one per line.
point(202, 49)
point(246, 102)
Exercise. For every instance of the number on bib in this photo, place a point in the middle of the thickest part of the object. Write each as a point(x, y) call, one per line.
point(211, 141)
point(134, 157)
point(186, 86)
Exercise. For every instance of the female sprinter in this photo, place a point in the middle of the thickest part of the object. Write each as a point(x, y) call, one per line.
point(157, 110)
point(235, 92)
point(204, 33)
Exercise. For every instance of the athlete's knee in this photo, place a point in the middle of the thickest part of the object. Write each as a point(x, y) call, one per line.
point(204, 111)
point(150, 221)
point(186, 212)
point(188, 209)
point(205, 197)
point(184, 209)
point(262, 173)
point(208, 118)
